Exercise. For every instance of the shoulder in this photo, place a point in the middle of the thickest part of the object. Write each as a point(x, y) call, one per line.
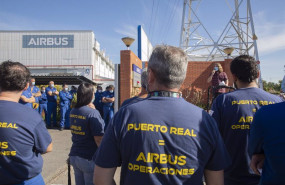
point(85, 111)
point(272, 109)
point(26, 113)
point(128, 101)
point(36, 88)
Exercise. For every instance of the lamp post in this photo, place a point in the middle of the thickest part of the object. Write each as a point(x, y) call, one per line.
point(228, 51)
point(128, 41)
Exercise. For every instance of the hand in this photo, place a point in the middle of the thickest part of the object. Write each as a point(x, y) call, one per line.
point(213, 72)
point(56, 93)
point(91, 105)
point(256, 162)
point(33, 100)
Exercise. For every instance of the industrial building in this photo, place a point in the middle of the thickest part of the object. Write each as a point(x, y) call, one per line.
point(68, 57)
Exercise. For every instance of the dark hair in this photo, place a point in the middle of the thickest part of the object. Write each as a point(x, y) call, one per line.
point(64, 84)
point(85, 93)
point(14, 76)
point(74, 88)
point(99, 87)
point(111, 87)
point(245, 68)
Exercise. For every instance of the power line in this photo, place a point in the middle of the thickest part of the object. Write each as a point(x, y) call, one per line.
point(155, 19)
point(150, 22)
point(170, 20)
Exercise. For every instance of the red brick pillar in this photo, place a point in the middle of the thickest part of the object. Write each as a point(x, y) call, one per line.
point(126, 80)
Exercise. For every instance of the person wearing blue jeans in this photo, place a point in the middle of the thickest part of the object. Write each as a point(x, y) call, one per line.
point(65, 101)
point(87, 129)
point(43, 102)
point(52, 104)
point(83, 170)
point(108, 103)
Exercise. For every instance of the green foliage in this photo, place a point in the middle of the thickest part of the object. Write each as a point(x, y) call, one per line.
point(272, 87)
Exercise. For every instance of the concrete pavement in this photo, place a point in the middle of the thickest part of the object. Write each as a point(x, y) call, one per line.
point(55, 167)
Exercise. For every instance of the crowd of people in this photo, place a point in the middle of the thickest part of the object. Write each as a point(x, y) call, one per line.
point(46, 100)
point(156, 137)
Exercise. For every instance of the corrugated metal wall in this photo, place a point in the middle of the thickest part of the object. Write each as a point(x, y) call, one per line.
point(82, 53)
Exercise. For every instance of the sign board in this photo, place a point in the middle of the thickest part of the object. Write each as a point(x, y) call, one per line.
point(48, 41)
point(144, 45)
point(136, 76)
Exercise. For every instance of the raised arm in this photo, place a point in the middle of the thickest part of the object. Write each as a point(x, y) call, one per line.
point(211, 76)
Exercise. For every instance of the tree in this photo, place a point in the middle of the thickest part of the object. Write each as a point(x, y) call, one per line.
point(272, 87)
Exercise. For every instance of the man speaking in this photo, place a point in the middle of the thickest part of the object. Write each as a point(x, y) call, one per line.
point(162, 139)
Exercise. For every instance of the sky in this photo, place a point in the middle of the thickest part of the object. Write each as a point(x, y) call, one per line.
point(161, 19)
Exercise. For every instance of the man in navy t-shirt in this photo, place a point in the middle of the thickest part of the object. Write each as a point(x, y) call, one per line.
point(234, 113)
point(23, 136)
point(143, 93)
point(162, 139)
point(108, 100)
point(267, 144)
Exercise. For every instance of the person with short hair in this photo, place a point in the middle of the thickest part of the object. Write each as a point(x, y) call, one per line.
point(35, 93)
point(98, 100)
point(23, 136)
point(108, 100)
point(65, 101)
point(27, 98)
point(143, 93)
point(87, 128)
point(52, 93)
point(43, 102)
point(234, 113)
point(73, 90)
point(162, 139)
point(267, 144)
point(218, 77)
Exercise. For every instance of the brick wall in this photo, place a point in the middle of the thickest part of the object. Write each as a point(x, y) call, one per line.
point(194, 88)
point(126, 81)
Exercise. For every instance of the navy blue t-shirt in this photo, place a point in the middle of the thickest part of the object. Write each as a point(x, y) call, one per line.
point(234, 113)
point(51, 98)
point(132, 100)
point(162, 140)
point(85, 124)
point(28, 94)
point(23, 137)
point(108, 94)
point(267, 137)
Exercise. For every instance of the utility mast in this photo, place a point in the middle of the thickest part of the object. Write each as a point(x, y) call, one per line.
point(237, 38)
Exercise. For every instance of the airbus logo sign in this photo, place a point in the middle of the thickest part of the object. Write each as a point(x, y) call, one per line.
point(48, 41)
